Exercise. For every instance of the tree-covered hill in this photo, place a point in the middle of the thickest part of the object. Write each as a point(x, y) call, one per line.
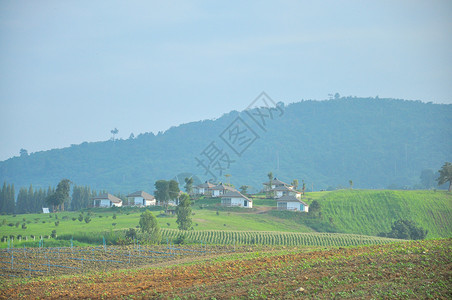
point(374, 142)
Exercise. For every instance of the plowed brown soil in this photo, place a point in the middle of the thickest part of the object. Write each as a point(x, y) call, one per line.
point(403, 270)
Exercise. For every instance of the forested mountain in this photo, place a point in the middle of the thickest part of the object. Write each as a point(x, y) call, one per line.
point(376, 143)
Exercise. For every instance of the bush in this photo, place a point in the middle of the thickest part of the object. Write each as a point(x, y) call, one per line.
point(57, 223)
point(74, 218)
point(87, 219)
point(80, 217)
point(131, 234)
point(53, 235)
point(180, 240)
point(405, 229)
point(24, 226)
point(114, 216)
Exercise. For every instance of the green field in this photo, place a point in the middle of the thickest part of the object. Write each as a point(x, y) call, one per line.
point(370, 212)
point(362, 212)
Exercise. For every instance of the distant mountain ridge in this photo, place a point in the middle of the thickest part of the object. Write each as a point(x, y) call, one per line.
point(374, 142)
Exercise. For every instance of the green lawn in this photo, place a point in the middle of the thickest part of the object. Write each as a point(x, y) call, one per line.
point(349, 211)
point(372, 211)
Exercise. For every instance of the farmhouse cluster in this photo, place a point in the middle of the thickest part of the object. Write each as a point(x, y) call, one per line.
point(287, 198)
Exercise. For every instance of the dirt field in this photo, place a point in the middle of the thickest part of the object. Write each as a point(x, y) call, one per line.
point(410, 270)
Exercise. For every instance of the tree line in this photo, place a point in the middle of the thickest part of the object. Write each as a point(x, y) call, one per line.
point(32, 200)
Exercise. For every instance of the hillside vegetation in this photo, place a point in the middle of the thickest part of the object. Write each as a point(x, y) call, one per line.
point(374, 142)
point(362, 212)
point(370, 212)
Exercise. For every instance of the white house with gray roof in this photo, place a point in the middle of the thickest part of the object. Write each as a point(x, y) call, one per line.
point(283, 190)
point(107, 200)
point(221, 189)
point(235, 198)
point(291, 203)
point(274, 184)
point(141, 198)
point(203, 188)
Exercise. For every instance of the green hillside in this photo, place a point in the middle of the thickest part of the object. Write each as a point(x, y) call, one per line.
point(365, 212)
point(377, 143)
point(372, 211)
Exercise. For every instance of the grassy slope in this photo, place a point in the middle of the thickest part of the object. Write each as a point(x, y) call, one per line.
point(372, 211)
point(205, 220)
point(358, 211)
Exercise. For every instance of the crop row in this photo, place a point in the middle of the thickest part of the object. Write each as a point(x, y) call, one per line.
point(275, 238)
point(32, 262)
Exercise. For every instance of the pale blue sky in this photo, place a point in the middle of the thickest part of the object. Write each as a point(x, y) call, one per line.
point(70, 71)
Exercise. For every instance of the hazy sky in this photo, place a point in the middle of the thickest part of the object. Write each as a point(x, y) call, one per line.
point(70, 71)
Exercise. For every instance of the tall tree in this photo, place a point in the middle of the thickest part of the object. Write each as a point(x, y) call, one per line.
point(2, 197)
point(427, 178)
point(8, 198)
point(189, 185)
point(445, 175)
point(269, 189)
point(183, 212)
point(114, 132)
point(61, 195)
point(162, 192)
point(23, 152)
point(295, 183)
point(149, 225)
point(173, 189)
point(21, 204)
point(244, 189)
point(228, 179)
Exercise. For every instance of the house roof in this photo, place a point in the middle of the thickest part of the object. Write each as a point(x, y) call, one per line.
point(285, 188)
point(143, 194)
point(276, 181)
point(206, 185)
point(235, 194)
point(108, 196)
point(288, 198)
point(222, 187)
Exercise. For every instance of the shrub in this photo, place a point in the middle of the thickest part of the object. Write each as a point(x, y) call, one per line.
point(53, 235)
point(57, 223)
point(17, 224)
point(87, 219)
point(180, 240)
point(131, 234)
point(405, 229)
point(74, 218)
point(80, 217)
point(24, 226)
point(114, 216)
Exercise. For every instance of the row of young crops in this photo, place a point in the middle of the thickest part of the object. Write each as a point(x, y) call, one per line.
point(275, 238)
point(52, 261)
